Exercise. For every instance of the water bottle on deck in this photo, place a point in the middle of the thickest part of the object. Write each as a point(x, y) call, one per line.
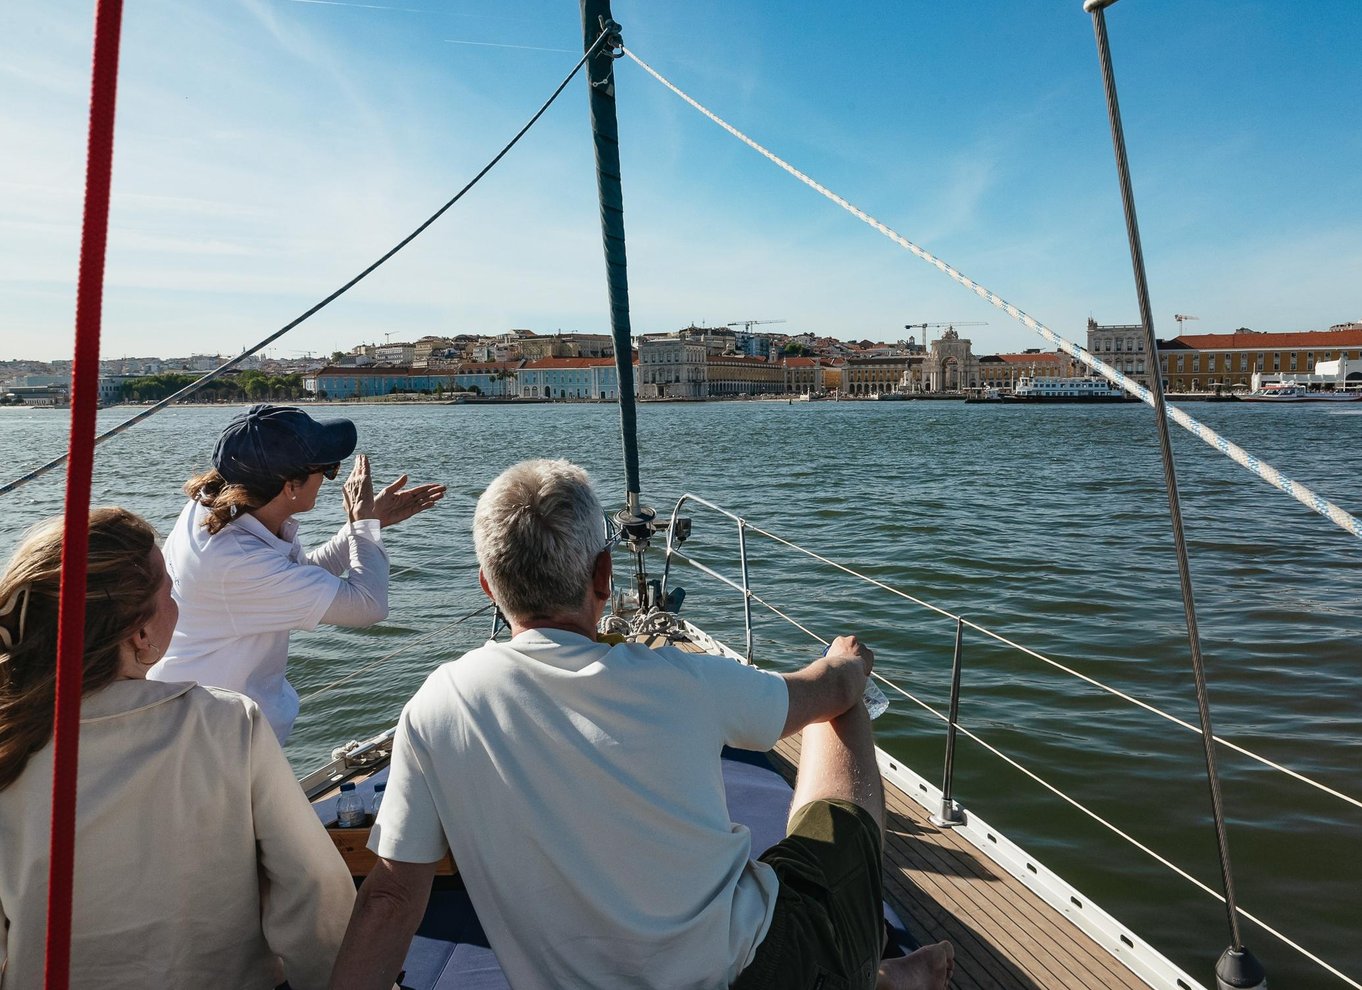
point(349, 808)
point(379, 789)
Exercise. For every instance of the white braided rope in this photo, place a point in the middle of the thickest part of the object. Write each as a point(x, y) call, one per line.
point(1334, 513)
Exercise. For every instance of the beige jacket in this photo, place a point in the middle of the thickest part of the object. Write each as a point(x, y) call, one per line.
point(198, 861)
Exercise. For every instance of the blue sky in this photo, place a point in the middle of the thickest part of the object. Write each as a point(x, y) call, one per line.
point(269, 149)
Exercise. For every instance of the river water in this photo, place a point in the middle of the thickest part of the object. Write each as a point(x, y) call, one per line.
point(1046, 524)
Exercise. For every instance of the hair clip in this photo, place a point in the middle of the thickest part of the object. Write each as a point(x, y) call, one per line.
point(10, 639)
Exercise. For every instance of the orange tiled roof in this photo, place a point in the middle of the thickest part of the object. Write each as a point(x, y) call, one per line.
point(1300, 339)
point(1045, 357)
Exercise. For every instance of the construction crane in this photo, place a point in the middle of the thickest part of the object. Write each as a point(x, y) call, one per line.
point(1181, 318)
point(749, 324)
point(924, 327)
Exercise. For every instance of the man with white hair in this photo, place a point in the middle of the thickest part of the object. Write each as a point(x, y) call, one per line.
point(578, 786)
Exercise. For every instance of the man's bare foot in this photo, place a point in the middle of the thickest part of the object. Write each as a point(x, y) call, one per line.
point(928, 968)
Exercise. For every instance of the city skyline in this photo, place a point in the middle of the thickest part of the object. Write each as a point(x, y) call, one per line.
point(269, 149)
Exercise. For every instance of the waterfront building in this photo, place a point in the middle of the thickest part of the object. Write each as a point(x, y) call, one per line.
point(804, 375)
point(1003, 370)
point(735, 374)
point(37, 395)
point(870, 375)
point(671, 367)
point(834, 376)
point(569, 378)
point(1121, 346)
point(1206, 362)
point(950, 364)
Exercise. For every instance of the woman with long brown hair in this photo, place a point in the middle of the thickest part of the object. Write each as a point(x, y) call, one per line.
point(198, 860)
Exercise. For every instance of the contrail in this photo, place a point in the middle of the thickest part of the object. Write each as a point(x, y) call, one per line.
point(489, 44)
point(366, 6)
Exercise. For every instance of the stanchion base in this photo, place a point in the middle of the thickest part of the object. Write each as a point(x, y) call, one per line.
point(950, 816)
point(1239, 970)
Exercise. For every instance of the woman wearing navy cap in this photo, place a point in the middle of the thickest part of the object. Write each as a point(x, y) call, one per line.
point(241, 577)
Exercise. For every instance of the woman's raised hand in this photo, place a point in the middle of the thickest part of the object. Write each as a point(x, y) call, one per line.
point(358, 491)
point(395, 503)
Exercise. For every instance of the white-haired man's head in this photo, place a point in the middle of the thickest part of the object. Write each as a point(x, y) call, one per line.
point(538, 531)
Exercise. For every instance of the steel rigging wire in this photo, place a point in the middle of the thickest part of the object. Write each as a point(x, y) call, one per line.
point(221, 369)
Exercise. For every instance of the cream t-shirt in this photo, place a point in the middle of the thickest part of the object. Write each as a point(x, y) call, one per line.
point(580, 790)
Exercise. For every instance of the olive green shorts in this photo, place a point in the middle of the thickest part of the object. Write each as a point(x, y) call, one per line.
point(827, 932)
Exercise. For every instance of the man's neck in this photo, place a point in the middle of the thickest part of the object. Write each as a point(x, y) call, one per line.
point(581, 627)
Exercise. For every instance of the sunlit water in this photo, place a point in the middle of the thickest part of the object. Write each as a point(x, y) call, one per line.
point(1047, 524)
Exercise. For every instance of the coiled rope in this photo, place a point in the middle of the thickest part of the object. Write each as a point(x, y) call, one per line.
point(1301, 493)
point(223, 368)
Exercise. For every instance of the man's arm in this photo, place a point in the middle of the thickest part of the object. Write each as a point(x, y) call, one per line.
point(830, 685)
point(387, 913)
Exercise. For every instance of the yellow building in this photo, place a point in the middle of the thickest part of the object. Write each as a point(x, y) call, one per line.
point(1205, 362)
point(735, 374)
point(872, 375)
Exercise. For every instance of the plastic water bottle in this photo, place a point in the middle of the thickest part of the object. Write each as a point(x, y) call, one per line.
point(349, 808)
point(876, 704)
point(378, 798)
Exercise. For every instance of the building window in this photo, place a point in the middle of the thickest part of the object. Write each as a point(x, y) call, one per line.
point(1182, 360)
point(1196, 362)
point(1276, 360)
point(1243, 362)
point(1293, 360)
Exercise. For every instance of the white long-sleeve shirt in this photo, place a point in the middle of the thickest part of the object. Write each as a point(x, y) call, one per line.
point(243, 589)
point(198, 860)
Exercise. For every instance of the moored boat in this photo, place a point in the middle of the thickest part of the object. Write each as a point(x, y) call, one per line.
point(1065, 390)
point(1295, 392)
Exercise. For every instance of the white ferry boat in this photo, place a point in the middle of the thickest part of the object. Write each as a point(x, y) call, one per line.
point(1064, 390)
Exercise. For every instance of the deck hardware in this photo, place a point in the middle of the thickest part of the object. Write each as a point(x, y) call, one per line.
point(951, 813)
point(1237, 969)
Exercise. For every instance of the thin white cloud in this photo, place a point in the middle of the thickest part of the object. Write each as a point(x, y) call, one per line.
point(492, 44)
point(365, 6)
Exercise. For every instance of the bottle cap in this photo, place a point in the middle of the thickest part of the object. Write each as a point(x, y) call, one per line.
point(347, 787)
point(381, 787)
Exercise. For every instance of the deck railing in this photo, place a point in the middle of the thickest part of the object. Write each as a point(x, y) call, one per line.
point(950, 813)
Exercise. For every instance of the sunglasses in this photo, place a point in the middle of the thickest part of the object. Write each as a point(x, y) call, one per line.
point(613, 541)
point(328, 470)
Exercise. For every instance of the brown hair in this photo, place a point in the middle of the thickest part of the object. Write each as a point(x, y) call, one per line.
point(120, 598)
point(223, 500)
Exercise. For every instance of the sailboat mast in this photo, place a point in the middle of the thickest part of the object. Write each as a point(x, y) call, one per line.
point(605, 135)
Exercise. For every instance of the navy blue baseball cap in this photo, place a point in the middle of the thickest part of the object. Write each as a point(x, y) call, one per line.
point(267, 445)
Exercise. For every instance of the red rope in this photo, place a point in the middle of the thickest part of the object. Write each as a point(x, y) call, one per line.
point(76, 541)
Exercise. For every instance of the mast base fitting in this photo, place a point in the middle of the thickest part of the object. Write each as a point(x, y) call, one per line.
point(951, 815)
point(636, 526)
point(1239, 969)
